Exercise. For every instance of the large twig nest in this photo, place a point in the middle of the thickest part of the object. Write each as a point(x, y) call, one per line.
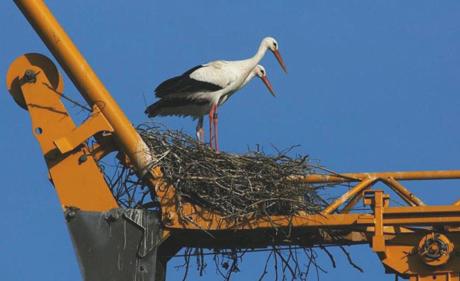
point(231, 183)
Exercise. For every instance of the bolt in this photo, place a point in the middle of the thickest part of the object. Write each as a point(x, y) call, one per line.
point(29, 76)
point(82, 159)
point(114, 216)
point(71, 214)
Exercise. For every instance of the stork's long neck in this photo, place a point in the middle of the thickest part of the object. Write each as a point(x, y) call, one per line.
point(251, 75)
point(259, 55)
point(251, 63)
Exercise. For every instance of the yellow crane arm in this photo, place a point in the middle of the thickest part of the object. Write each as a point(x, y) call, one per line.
point(422, 253)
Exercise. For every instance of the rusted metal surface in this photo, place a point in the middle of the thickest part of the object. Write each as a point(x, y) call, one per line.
point(86, 80)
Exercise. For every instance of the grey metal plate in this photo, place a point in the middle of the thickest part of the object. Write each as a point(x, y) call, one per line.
point(119, 245)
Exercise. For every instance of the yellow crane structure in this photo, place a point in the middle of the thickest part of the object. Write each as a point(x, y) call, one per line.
point(417, 241)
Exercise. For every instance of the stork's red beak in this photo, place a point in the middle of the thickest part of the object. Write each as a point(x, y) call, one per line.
point(280, 59)
point(268, 85)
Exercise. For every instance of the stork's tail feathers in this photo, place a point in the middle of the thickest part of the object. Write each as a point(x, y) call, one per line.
point(178, 107)
point(152, 110)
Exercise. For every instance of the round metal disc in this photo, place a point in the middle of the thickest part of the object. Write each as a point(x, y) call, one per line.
point(36, 62)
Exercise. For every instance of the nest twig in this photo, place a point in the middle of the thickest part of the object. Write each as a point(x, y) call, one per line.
point(233, 184)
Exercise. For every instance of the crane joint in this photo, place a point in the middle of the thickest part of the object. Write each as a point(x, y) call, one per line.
point(95, 124)
point(378, 202)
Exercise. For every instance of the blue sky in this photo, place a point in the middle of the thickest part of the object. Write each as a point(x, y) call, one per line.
point(372, 86)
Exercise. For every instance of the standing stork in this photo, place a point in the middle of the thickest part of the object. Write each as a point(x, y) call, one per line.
point(202, 89)
point(205, 104)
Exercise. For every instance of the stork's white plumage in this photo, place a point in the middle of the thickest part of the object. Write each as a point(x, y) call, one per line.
point(202, 89)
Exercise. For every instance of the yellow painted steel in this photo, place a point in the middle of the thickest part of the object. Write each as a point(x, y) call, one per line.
point(75, 175)
point(410, 198)
point(417, 175)
point(384, 229)
point(193, 217)
point(86, 80)
point(79, 182)
point(353, 192)
point(96, 123)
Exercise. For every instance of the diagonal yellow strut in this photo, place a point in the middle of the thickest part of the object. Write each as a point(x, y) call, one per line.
point(86, 80)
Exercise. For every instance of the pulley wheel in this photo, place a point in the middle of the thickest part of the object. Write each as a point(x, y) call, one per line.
point(36, 63)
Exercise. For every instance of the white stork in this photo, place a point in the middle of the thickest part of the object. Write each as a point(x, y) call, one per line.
point(202, 89)
point(206, 104)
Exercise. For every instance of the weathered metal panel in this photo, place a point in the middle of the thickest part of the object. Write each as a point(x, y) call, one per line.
point(119, 245)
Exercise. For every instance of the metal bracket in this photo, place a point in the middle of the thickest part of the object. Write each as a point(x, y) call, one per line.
point(378, 201)
point(96, 123)
point(105, 144)
point(76, 176)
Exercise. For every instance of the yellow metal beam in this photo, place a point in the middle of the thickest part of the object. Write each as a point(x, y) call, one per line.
point(193, 217)
point(75, 174)
point(86, 80)
point(405, 194)
point(418, 175)
point(350, 194)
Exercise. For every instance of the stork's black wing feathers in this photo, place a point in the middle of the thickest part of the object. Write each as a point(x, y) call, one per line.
point(159, 107)
point(183, 84)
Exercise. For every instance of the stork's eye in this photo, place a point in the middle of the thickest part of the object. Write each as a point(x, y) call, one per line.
point(274, 43)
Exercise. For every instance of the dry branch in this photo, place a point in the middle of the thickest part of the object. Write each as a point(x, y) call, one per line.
point(235, 185)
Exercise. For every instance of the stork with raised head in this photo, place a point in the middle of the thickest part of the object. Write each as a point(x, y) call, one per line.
point(202, 89)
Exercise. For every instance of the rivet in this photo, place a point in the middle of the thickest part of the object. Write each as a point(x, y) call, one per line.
point(82, 158)
point(114, 216)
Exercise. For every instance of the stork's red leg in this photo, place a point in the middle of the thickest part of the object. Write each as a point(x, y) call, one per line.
point(215, 127)
point(211, 114)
